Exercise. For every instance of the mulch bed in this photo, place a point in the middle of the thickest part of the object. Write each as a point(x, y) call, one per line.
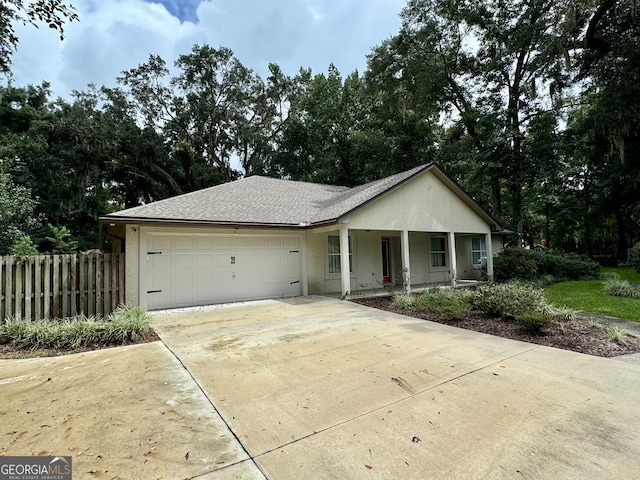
point(576, 335)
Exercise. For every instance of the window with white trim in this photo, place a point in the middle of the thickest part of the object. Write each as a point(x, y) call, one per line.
point(478, 250)
point(333, 243)
point(438, 252)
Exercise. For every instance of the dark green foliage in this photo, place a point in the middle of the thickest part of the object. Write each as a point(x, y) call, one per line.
point(60, 240)
point(531, 265)
point(17, 213)
point(514, 264)
point(634, 256)
point(534, 321)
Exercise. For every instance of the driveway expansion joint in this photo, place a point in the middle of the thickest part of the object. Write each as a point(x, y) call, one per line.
point(224, 420)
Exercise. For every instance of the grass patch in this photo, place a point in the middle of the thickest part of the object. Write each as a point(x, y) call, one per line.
point(589, 296)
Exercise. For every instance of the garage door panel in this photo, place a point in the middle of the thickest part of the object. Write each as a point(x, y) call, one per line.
point(203, 243)
point(183, 243)
point(241, 260)
point(291, 259)
point(183, 261)
point(161, 242)
point(159, 261)
point(242, 243)
point(203, 291)
point(258, 243)
point(224, 243)
point(204, 260)
point(222, 260)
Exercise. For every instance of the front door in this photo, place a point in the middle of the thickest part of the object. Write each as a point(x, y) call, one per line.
point(386, 261)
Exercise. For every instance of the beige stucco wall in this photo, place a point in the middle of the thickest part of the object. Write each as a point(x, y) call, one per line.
point(425, 204)
point(132, 261)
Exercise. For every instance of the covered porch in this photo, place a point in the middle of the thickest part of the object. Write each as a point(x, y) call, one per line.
point(357, 262)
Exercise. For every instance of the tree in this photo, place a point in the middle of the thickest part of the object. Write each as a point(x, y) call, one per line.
point(53, 13)
point(17, 213)
point(213, 112)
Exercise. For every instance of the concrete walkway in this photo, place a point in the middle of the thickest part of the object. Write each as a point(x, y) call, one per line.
point(318, 388)
point(321, 388)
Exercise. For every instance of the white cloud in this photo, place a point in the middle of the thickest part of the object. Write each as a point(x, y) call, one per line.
point(116, 35)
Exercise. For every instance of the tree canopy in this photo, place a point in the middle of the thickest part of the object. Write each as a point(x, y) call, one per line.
point(525, 103)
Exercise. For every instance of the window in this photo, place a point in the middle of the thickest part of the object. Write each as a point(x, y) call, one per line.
point(478, 250)
point(438, 252)
point(334, 255)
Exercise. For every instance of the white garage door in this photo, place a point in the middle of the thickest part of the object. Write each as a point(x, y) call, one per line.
point(186, 270)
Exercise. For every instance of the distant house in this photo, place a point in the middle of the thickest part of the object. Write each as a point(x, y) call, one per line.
point(262, 237)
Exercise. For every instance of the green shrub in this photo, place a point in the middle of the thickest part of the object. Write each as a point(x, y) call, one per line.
point(509, 299)
point(514, 264)
point(634, 257)
point(534, 321)
point(530, 265)
point(125, 324)
point(621, 288)
point(445, 301)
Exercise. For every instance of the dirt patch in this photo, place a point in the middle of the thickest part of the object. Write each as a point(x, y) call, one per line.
point(12, 350)
point(588, 333)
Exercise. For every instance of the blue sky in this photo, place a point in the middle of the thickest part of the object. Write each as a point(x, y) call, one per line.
point(116, 35)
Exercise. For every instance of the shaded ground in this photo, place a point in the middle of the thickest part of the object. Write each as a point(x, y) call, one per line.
point(588, 333)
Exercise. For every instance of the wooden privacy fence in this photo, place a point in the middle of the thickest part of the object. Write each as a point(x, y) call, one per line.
point(59, 286)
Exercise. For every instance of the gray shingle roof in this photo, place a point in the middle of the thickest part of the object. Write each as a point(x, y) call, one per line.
point(265, 201)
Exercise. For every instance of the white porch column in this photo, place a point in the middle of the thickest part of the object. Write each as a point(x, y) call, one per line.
point(489, 244)
point(345, 273)
point(452, 259)
point(406, 267)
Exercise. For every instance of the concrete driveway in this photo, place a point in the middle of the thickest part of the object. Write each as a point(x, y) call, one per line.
point(318, 388)
point(321, 388)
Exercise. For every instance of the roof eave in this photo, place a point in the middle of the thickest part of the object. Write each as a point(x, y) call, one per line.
point(119, 220)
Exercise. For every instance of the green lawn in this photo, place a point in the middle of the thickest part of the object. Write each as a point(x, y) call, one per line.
point(625, 273)
point(589, 297)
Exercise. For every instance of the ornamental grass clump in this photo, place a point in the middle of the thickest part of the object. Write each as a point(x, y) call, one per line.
point(126, 324)
point(620, 288)
point(618, 334)
point(403, 301)
point(445, 301)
